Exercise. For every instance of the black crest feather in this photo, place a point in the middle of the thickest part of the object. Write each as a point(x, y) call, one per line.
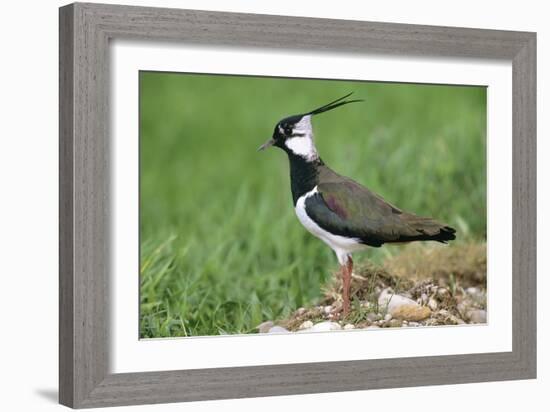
point(334, 104)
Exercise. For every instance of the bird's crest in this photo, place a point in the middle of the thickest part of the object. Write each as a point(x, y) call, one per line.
point(333, 105)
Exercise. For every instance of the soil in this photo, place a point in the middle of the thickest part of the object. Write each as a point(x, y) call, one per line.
point(421, 286)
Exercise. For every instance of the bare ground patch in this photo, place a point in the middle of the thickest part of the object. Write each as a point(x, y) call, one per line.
point(424, 285)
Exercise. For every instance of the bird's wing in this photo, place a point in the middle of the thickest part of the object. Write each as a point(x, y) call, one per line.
point(346, 208)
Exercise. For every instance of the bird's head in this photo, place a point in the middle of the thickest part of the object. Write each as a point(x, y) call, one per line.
point(295, 133)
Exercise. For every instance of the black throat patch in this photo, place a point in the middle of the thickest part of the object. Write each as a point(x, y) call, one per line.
point(304, 175)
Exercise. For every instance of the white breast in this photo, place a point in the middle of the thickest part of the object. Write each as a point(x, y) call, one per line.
point(342, 246)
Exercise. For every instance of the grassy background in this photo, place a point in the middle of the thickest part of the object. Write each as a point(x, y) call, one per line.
point(221, 248)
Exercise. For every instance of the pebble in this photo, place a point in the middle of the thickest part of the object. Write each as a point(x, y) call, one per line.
point(432, 304)
point(402, 307)
point(300, 311)
point(327, 309)
point(424, 298)
point(388, 317)
point(277, 329)
point(373, 327)
point(306, 325)
point(443, 293)
point(477, 316)
point(265, 326)
point(454, 320)
point(373, 317)
point(394, 323)
point(461, 307)
point(392, 300)
point(325, 326)
point(349, 326)
point(444, 312)
point(412, 312)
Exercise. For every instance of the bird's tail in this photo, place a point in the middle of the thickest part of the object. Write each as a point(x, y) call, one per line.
point(428, 229)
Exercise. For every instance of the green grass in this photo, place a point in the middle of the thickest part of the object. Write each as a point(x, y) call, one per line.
point(221, 248)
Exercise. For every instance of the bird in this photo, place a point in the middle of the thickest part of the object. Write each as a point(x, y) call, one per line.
point(342, 213)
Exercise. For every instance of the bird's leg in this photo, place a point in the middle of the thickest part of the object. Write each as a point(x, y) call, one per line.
point(346, 283)
point(344, 269)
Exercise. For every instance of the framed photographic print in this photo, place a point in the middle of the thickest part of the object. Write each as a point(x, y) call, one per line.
point(256, 205)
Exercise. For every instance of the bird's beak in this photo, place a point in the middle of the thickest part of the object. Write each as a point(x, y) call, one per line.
point(267, 144)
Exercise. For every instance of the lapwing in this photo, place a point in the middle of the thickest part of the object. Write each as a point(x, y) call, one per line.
point(345, 215)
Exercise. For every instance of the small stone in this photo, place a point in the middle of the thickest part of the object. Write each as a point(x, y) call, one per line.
point(373, 317)
point(453, 320)
point(349, 326)
point(444, 312)
point(373, 327)
point(300, 311)
point(388, 317)
point(325, 326)
point(306, 325)
point(390, 300)
point(477, 316)
point(265, 326)
point(443, 293)
point(424, 298)
point(277, 329)
point(432, 304)
point(472, 291)
point(462, 309)
point(402, 307)
point(413, 323)
point(394, 323)
point(327, 309)
point(412, 312)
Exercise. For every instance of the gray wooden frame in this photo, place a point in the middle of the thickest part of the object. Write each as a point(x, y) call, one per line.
point(85, 31)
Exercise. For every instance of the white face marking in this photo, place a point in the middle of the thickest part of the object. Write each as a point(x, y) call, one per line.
point(342, 246)
point(303, 145)
point(304, 127)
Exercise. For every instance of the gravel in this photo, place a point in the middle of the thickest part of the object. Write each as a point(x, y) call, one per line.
point(383, 300)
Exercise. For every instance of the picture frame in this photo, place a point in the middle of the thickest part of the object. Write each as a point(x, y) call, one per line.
point(85, 33)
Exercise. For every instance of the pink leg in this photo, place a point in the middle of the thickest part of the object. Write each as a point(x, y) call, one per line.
point(346, 283)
